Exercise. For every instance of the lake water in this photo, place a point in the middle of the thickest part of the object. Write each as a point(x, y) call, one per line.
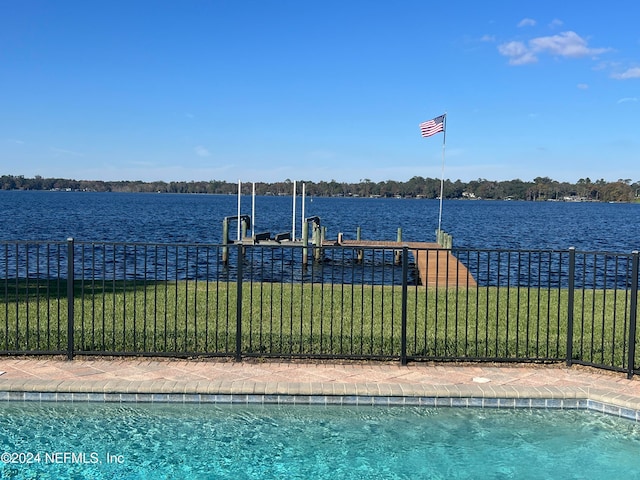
point(177, 218)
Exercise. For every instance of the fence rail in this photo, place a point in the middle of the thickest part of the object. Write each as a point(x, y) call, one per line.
point(81, 298)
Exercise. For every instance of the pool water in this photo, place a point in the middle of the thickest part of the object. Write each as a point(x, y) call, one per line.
point(169, 441)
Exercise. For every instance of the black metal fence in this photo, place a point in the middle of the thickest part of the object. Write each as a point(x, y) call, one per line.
point(81, 298)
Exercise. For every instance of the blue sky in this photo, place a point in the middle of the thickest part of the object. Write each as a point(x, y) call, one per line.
point(319, 90)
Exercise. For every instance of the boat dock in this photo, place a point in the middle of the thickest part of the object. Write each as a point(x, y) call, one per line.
point(437, 266)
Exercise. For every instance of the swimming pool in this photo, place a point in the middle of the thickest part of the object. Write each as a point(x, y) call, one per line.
point(170, 441)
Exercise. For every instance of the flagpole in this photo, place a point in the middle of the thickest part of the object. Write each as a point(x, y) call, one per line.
point(239, 201)
point(444, 138)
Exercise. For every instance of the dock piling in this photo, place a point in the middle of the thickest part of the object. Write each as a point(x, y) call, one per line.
point(244, 224)
point(359, 252)
point(444, 239)
point(225, 240)
point(398, 253)
point(320, 233)
point(305, 243)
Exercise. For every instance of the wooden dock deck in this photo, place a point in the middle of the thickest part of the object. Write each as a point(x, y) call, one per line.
point(437, 267)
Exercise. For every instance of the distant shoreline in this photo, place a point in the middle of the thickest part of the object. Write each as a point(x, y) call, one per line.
point(355, 197)
point(540, 189)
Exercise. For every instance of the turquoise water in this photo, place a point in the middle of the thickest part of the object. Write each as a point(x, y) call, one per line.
point(140, 441)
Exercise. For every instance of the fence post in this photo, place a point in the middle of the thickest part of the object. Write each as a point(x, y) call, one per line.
point(70, 299)
point(570, 304)
point(240, 260)
point(403, 328)
point(633, 315)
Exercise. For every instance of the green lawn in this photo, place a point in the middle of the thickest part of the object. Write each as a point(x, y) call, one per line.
point(314, 319)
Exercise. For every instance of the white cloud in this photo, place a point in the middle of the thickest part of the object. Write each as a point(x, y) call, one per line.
point(527, 22)
point(488, 38)
point(517, 52)
point(582, 86)
point(555, 23)
point(201, 151)
point(566, 44)
point(627, 99)
point(608, 65)
point(630, 73)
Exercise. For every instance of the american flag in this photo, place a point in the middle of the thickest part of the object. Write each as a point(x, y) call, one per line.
point(431, 127)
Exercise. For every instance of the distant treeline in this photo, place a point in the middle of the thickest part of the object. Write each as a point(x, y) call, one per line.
point(541, 188)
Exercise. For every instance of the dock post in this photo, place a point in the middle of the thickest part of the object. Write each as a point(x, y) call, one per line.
point(319, 239)
point(316, 237)
point(225, 241)
point(359, 252)
point(244, 228)
point(398, 253)
point(305, 243)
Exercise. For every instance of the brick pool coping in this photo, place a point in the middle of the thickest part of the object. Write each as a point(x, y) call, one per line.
point(318, 383)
